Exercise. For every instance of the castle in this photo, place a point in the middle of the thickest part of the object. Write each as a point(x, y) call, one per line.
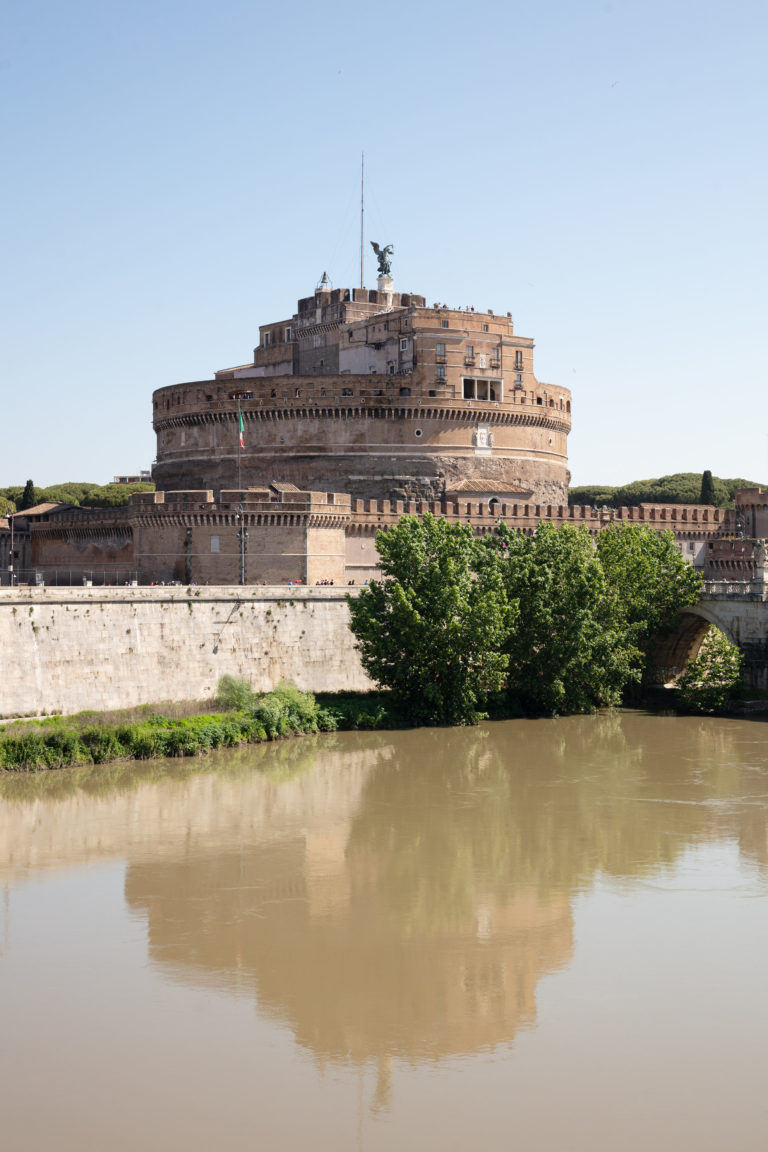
point(375, 394)
point(362, 406)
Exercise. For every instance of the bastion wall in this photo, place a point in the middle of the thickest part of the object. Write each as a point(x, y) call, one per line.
point(71, 649)
point(367, 446)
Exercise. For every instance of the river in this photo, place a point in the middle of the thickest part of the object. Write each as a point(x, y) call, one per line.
point(545, 935)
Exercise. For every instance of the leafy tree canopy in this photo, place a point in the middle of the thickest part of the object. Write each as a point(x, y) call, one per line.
point(649, 578)
point(79, 493)
point(571, 650)
point(433, 629)
point(560, 622)
point(679, 488)
point(714, 680)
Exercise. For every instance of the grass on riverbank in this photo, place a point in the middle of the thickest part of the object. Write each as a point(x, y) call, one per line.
point(236, 716)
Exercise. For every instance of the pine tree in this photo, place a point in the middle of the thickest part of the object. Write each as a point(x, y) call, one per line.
point(28, 498)
point(707, 489)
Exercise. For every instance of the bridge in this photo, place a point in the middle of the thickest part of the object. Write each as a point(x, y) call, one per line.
point(739, 608)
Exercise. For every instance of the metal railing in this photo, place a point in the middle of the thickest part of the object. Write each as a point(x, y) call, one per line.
point(70, 577)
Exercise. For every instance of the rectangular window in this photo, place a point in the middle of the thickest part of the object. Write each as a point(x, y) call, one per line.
point(403, 345)
point(440, 371)
point(518, 360)
point(444, 323)
point(440, 350)
point(470, 352)
point(266, 339)
point(287, 335)
point(485, 327)
point(214, 543)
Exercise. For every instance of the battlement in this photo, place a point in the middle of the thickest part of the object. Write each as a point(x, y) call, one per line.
point(683, 519)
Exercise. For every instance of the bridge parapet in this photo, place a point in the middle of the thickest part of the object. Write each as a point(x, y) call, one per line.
point(736, 589)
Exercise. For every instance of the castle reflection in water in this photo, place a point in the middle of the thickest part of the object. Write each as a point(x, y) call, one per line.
point(394, 895)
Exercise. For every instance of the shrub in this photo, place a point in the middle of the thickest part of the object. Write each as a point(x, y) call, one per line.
point(102, 744)
point(234, 693)
point(713, 682)
point(27, 751)
point(286, 711)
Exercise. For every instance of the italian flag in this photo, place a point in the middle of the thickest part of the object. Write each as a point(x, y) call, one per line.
point(242, 429)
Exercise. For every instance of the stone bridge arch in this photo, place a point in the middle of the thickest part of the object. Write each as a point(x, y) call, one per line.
point(743, 620)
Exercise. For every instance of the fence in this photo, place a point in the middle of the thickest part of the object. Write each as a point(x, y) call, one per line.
point(70, 577)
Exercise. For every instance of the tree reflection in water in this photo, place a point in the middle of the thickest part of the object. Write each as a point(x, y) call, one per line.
point(395, 895)
point(414, 918)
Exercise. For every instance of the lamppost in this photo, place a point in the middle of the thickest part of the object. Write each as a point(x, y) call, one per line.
point(10, 558)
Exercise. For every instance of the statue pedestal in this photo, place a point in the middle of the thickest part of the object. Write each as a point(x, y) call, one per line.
point(384, 286)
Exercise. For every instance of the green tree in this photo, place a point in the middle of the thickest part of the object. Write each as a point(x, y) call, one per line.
point(433, 630)
point(114, 495)
point(592, 494)
point(714, 680)
point(649, 578)
point(571, 650)
point(28, 498)
point(678, 488)
point(707, 494)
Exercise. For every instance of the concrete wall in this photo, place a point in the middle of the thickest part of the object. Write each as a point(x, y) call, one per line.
point(65, 650)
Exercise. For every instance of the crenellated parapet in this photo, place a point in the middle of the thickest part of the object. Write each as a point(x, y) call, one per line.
point(683, 519)
point(290, 535)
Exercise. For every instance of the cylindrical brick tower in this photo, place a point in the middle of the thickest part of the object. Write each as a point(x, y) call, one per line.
point(384, 399)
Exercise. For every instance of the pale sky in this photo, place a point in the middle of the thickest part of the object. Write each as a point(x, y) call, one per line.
point(177, 173)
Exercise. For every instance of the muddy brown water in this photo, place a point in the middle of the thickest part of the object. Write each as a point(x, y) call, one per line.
point(534, 934)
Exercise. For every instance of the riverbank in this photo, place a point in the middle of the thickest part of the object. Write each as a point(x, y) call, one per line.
point(188, 729)
point(194, 728)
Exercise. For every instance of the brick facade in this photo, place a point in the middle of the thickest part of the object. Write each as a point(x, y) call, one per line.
point(375, 394)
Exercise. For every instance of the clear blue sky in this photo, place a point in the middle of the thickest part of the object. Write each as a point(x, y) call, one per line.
point(178, 172)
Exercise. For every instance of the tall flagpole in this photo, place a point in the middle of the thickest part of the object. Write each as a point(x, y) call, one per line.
point(362, 211)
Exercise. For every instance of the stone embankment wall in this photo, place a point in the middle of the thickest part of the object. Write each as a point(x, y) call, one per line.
point(69, 649)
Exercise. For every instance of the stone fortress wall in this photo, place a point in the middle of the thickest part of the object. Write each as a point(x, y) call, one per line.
point(69, 649)
point(292, 536)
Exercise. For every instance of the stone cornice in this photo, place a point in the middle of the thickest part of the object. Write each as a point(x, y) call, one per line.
point(460, 411)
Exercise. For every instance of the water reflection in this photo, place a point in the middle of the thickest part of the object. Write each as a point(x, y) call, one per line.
point(395, 895)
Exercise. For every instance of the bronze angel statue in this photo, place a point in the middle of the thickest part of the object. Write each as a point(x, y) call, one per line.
point(384, 257)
